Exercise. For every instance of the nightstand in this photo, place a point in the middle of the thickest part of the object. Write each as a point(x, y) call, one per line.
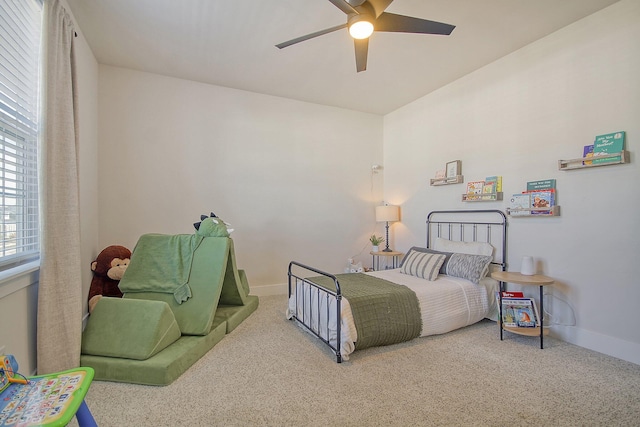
point(395, 263)
point(521, 279)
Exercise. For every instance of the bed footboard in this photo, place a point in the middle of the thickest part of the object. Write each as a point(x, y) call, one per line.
point(314, 307)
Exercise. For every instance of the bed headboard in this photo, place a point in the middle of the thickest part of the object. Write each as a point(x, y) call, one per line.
point(471, 226)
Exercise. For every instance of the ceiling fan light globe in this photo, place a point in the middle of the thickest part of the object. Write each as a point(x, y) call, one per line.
point(361, 29)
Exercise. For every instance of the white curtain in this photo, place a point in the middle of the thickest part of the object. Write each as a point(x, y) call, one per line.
point(59, 327)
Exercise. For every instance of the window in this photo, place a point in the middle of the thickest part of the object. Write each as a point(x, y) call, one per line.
point(20, 27)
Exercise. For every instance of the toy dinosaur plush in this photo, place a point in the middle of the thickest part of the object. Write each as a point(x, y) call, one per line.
point(212, 226)
point(108, 269)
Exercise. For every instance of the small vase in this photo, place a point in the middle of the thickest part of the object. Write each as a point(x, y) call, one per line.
point(375, 249)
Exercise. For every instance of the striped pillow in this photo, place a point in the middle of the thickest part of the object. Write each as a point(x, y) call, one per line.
point(423, 265)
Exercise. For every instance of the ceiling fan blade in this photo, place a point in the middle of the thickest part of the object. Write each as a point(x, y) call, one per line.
point(391, 22)
point(310, 36)
point(380, 6)
point(344, 6)
point(362, 50)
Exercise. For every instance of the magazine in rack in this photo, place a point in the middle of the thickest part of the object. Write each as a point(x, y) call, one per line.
point(520, 312)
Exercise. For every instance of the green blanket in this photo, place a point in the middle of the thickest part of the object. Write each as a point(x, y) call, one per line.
point(161, 263)
point(384, 312)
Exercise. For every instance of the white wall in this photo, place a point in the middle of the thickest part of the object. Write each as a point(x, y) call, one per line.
point(294, 179)
point(517, 117)
point(18, 304)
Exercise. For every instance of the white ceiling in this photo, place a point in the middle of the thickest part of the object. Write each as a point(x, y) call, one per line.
point(231, 43)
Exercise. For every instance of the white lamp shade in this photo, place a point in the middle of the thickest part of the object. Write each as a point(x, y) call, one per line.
point(387, 213)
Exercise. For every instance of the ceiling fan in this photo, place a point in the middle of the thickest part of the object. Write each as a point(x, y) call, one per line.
point(366, 16)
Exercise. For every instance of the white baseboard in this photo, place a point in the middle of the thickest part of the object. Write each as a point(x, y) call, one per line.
point(611, 346)
point(266, 290)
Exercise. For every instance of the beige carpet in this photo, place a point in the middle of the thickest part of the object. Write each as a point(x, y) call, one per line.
point(268, 372)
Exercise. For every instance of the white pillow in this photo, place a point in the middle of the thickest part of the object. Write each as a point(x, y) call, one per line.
point(469, 248)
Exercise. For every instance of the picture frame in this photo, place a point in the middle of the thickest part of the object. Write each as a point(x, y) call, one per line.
point(454, 168)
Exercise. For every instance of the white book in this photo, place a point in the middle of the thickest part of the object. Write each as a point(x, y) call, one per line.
point(520, 201)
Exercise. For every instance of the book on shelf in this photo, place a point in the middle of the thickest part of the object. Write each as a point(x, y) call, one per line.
point(489, 188)
point(535, 311)
point(474, 188)
point(542, 199)
point(507, 294)
point(494, 179)
point(587, 151)
point(520, 312)
point(608, 144)
point(520, 201)
point(545, 184)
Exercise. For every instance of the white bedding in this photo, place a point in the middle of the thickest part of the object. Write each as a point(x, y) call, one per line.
point(446, 304)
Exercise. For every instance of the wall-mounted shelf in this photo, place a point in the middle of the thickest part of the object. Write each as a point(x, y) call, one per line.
point(578, 163)
point(485, 197)
point(534, 212)
point(458, 179)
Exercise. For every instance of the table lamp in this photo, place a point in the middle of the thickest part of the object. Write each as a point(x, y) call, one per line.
point(387, 213)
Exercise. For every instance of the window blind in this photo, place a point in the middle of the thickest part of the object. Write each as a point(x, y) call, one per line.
point(20, 33)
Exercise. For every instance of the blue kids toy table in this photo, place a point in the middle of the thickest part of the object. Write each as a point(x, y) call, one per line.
point(44, 400)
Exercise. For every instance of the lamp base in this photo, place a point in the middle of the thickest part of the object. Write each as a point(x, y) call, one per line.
point(386, 249)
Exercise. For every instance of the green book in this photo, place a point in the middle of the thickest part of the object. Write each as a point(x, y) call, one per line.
point(608, 144)
point(545, 184)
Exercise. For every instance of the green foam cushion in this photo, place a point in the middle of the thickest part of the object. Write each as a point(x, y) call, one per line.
point(195, 316)
point(131, 329)
point(235, 287)
point(244, 281)
point(160, 369)
point(233, 315)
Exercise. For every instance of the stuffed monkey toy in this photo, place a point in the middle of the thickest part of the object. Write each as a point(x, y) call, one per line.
point(108, 269)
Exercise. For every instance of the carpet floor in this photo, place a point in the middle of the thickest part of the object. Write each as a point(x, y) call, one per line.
point(269, 372)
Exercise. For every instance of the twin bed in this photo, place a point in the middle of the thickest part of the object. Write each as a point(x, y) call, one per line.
point(440, 287)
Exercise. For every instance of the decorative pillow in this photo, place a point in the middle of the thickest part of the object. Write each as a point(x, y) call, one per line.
point(429, 251)
point(423, 265)
point(470, 267)
point(471, 248)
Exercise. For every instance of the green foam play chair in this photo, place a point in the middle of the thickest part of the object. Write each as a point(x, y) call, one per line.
point(218, 301)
